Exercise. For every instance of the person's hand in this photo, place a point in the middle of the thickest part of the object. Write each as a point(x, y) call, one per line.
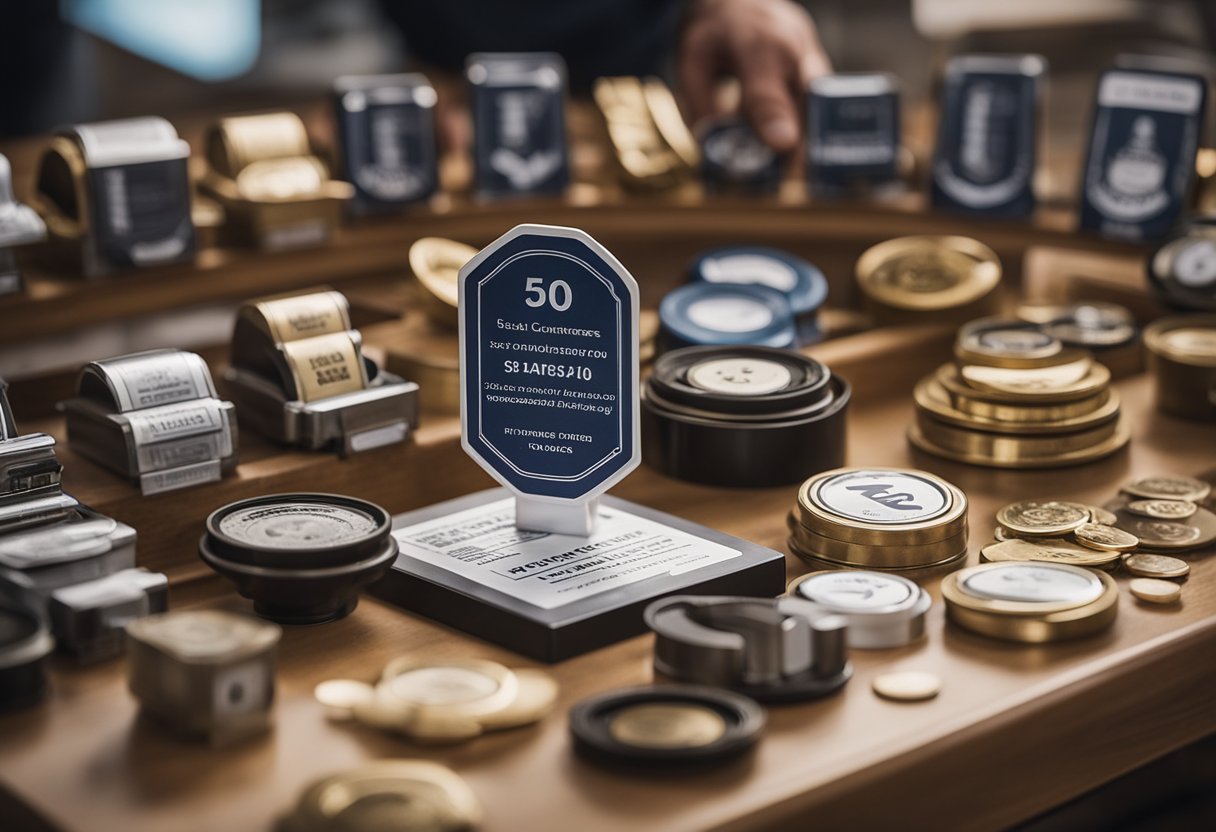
point(771, 46)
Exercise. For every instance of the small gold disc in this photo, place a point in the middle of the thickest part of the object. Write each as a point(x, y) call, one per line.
point(1169, 488)
point(1155, 591)
point(907, 685)
point(667, 725)
point(1033, 517)
point(1106, 538)
point(1156, 566)
point(341, 696)
point(1163, 509)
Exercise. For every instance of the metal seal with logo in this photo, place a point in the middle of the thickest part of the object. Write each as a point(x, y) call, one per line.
point(298, 375)
point(116, 195)
point(853, 130)
point(155, 418)
point(20, 225)
point(1141, 157)
point(547, 565)
point(883, 610)
point(387, 129)
point(276, 192)
point(519, 124)
point(985, 157)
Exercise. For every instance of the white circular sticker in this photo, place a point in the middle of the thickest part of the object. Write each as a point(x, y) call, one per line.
point(1034, 583)
point(749, 268)
point(1195, 265)
point(883, 496)
point(730, 314)
point(740, 376)
point(857, 591)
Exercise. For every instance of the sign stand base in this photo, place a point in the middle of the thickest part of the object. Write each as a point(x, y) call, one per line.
point(576, 518)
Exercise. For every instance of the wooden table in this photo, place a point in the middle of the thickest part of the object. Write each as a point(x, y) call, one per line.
point(1016, 730)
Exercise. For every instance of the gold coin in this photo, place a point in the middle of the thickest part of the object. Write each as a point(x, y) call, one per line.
point(457, 688)
point(1105, 538)
point(1086, 395)
point(340, 696)
point(1198, 530)
point(1162, 509)
point(1169, 488)
point(1097, 514)
point(1046, 518)
point(537, 693)
point(1046, 550)
point(1154, 591)
point(1002, 534)
point(907, 685)
point(436, 263)
point(927, 272)
point(1027, 382)
point(1156, 566)
point(667, 725)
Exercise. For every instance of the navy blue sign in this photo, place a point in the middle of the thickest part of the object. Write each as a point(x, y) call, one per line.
point(519, 124)
point(549, 366)
point(1142, 152)
point(141, 213)
point(388, 138)
point(985, 158)
point(853, 134)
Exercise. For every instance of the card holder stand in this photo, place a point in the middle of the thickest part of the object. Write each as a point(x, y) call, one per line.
point(276, 193)
point(115, 195)
point(20, 225)
point(115, 421)
point(269, 397)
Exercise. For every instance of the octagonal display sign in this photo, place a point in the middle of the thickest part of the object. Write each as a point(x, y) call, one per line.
point(549, 363)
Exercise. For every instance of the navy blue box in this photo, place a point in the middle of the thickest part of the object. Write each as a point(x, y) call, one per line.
point(853, 135)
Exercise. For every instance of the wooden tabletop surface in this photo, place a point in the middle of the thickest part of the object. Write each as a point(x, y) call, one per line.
point(1015, 731)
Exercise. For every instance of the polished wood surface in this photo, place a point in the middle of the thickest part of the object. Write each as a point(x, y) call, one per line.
point(1016, 730)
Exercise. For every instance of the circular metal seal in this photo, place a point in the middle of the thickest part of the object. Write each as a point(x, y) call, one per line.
point(883, 610)
point(927, 272)
point(666, 725)
point(740, 376)
point(879, 497)
point(802, 283)
point(1184, 339)
point(719, 314)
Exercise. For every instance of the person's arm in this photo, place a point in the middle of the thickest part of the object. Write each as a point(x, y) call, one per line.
point(771, 46)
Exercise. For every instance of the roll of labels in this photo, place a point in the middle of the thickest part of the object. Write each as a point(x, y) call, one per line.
point(773, 650)
point(742, 416)
point(154, 418)
point(298, 376)
point(276, 192)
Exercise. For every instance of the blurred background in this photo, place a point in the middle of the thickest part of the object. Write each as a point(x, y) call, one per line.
point(84, 60)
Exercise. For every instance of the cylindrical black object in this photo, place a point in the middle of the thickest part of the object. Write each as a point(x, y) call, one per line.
point(742, 416)
point(25, 643)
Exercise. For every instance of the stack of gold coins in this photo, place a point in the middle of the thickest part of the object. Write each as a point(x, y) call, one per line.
point(1016, 397)
point(1030, 602)
point(929, 279)
point(879, 519)
point(1182, 356)
point(1058, 531)
point(1166, 513)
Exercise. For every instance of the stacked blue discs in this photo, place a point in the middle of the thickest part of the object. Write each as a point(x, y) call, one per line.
point(804, 286)
point(726, 314)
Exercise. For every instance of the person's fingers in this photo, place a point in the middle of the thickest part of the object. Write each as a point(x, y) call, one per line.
point(452, 121)
point(768, 76)
point(699, 63)
point(815, 61)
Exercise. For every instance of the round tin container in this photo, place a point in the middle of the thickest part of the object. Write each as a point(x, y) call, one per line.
point(928, 279)
point(25, 642)
point(802, 283)
point(1182, 356)
point(725, 314)
point(1030, 602)
point(883, 610)
point(1107, 330)
point(301, 558)
point(742, 416)
point(1182, 270)
point(734, 159)
point(666, 725)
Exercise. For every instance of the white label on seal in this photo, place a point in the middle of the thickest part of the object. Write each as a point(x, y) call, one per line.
point(142, 381)
point(740, 376)
point(883, 497)
point(482, 544)
point(750, 268)
point(1195, 265)
point(297, 525)
point(730, 314)
point(860, 591)
point(1034, 583)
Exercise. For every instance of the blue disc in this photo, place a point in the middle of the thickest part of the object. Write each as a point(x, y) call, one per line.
point(802, 283)
point(723, 314)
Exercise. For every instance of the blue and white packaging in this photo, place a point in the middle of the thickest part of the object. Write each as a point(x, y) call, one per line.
point(984, 163)
point(735, 159)
point(1141, 157)
point(726, 314)
point(803, 285)
point(387, 129)
point(519, 124)
point(853, 135)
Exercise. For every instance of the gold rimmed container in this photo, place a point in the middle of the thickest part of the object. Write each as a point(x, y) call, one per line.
point(1033, 603)
point(932, 399)
point(1182, 357)
point(929, 278)
point(1017, 451)
point(811, 546)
